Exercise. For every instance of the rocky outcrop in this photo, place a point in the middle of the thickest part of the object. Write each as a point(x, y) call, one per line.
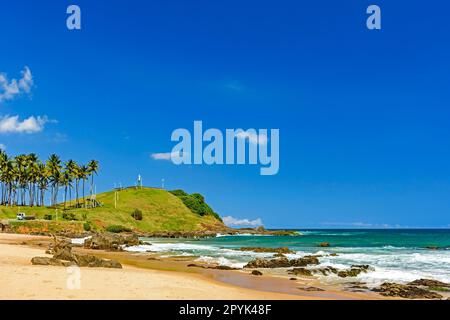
point(300, 272)
point(310, 289)
point(181, 234)
point(63, 256)
point(281, 250)
point(282, 262)
point(256, 273)
point(324, 244)
point(304, 261)
point(325, 271)
point(45, 261)
point(429, 283)
point(388, 289)
point(111, 241)
point(354, 271)
point(217, 267)
point(268, 263)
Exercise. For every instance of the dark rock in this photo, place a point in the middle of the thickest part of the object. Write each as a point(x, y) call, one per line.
point(63, 256)
point(324, 244)
point(354, 271)
point(111, 241)
point(333, 254)
point(222, 268)
point(282, 262)
point(62, 250)
point(405, 291)
point(280, 250)
point(300, 272)
point(310, 289)
point(269, 263)
point(325, 270)
point(293, 279)
point(256, 273)
point(45, 261)
point(304, 261)
point(193, 265)
point(429, 283)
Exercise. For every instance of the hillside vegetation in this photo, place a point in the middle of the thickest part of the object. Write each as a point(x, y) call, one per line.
point(161, 210)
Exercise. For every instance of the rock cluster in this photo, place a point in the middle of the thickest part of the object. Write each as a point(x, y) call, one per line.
point(111, 241)
point(193, 265)
point(63, 256)
point(354, 271)
point(282, 262)
point(429, 283)
point(388, 289)
point(281, 250)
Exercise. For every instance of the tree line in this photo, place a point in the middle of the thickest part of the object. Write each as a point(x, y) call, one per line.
point(25, 179)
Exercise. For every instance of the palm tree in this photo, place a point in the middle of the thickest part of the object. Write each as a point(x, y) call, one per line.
point(83, 175)
point(66, 183)
point(54, 167)
point(70, 171)
point(42, 181)
point(24, 179)
point(93, 169)
point(3, 168)
point(31, 176)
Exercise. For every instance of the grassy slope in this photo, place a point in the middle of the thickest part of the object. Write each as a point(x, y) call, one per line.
point(161, 211)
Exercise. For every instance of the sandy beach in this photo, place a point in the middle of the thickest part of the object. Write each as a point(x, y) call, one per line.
point(22, 280)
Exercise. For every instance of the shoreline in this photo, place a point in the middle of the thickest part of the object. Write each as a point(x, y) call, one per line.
point(141, 278)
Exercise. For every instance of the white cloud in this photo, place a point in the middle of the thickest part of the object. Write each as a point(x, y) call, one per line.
point(165, 155)
point(12, 124)
point(10, 89)
point(230, 221)
point(2, 147)
point(252, 137)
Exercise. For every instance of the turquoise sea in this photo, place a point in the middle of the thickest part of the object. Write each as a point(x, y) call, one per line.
point(396, 255)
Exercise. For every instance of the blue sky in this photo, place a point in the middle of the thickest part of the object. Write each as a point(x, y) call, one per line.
point(363, 115)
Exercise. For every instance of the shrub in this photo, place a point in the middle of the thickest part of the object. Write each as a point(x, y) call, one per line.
point(137, 214)
point(196, 203)
point(69, 216)
point(87, 226)
point(48, 217)
point(117, 229)
point(179, 193)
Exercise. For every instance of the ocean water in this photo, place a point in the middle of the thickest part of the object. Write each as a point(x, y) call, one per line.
point(395, 255)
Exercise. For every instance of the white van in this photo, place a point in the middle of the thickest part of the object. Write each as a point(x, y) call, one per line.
point(21, 216)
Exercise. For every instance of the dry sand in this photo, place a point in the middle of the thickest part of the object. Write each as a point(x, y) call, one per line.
point(19, 279)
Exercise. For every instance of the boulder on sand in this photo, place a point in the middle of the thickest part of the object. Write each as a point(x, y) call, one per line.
point(46, 261)
point(111, 241)
point(63, 256)
point(300, 272)
point(256, 273)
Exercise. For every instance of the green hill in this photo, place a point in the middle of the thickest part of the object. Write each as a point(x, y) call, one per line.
point(161, 211)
